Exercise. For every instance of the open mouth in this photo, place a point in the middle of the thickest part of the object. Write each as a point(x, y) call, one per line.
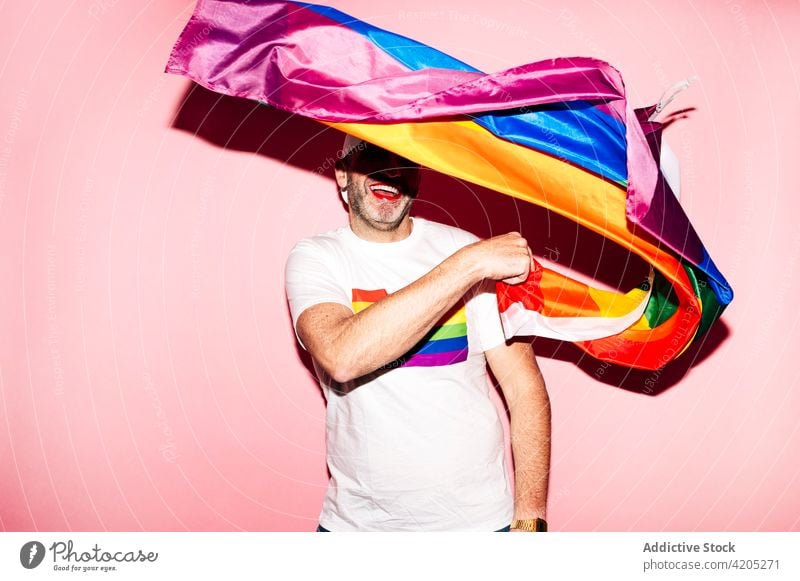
point(384, 191)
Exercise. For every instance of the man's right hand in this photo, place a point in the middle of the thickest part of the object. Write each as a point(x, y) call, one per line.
point(507, 257)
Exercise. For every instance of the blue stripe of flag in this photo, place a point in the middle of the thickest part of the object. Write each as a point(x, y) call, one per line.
point(443, 345)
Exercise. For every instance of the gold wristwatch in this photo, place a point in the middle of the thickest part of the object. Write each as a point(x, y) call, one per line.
point(532, 525)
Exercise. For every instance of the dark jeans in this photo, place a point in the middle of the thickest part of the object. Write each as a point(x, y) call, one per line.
point(505, 529)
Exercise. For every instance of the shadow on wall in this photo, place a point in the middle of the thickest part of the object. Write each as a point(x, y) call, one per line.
point(243, 125)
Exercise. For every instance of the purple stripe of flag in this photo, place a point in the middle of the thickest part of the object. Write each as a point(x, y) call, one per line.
point(437, 359)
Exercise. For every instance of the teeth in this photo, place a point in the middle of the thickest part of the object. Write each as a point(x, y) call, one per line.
point(385, 188)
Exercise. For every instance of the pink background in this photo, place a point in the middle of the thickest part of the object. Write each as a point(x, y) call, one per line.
point(149, 378)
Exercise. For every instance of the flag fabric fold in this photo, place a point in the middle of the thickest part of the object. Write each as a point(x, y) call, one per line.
point(557, 133)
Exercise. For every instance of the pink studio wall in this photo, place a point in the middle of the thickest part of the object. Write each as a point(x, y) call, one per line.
point(149, 379)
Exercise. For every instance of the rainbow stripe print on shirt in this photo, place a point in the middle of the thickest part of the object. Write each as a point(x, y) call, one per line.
point(445, 344)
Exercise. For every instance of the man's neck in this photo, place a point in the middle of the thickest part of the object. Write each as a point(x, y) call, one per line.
point(370, 234)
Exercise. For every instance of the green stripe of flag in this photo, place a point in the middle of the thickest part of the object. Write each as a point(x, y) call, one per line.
point(449, 332)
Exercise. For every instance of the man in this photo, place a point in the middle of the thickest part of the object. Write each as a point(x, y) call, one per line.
point(400, 317)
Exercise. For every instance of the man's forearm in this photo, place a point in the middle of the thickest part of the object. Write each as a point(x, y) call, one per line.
point(530, 443)
point(515, 367)
point(392, 326)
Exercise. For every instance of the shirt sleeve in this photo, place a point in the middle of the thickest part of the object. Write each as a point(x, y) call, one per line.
point(311, 279)
point(484, 315)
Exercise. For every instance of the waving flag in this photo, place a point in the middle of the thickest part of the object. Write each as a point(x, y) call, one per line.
point(556, 133)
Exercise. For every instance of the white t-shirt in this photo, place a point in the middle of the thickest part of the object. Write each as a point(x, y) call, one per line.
point(417, 445)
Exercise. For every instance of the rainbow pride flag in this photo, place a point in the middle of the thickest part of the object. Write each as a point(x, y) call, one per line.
point(556, 133)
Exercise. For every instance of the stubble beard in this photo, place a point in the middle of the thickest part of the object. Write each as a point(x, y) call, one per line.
point(385, 221)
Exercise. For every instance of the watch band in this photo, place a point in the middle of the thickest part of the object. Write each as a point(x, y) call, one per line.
point(533, 525)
